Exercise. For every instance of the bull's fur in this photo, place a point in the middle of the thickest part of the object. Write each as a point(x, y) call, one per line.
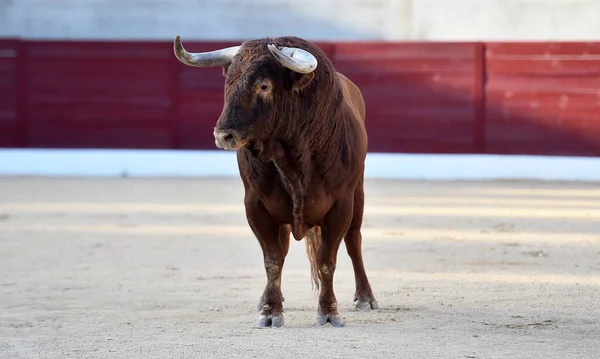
point(301, 164)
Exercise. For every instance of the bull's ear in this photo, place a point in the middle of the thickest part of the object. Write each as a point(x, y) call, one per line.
point(225, 69)
point(301, 80)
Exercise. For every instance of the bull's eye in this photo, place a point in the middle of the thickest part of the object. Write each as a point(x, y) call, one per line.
point(263, 89)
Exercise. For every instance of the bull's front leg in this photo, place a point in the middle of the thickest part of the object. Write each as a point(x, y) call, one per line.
point(274, 240)
point(334, 227)
point(284, 240)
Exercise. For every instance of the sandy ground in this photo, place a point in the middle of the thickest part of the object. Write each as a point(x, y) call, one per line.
point(167, 268)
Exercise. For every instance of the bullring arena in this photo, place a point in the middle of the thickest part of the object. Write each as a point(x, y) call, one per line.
point(123, 232)
point(168, 268)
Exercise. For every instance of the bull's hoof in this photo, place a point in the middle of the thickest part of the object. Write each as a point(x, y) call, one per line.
point(270, 321)
point(334, 320)
point(365, 303)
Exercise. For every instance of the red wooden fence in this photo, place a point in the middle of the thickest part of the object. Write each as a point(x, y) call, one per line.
point(513, 98)
point(543, 98)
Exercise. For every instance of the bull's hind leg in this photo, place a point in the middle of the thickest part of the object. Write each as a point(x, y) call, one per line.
point(274, 241)
point(363, 296)
point(335, 225)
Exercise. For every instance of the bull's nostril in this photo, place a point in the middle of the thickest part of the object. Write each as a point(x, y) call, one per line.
point(228, 138)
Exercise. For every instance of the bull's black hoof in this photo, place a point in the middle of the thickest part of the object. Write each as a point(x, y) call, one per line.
point(269, 321)
point(334, 320)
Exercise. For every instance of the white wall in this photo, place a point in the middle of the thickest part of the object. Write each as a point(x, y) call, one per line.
point(314, 19)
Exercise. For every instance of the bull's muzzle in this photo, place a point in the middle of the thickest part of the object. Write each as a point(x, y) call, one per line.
point(227, 139)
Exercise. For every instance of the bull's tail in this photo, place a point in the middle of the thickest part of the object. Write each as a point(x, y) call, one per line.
point(313, 242)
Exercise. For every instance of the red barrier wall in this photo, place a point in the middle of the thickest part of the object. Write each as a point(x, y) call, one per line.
point(513, 98)
point(543, 98)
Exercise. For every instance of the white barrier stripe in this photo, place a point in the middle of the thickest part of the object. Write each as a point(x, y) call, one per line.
point(179, 163)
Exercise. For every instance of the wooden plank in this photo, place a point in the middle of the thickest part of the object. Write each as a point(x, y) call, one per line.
point(68, 82)
point(84, 114)
point(174, 89)
point(416, 98)
point(526, 137)
point(392, 58)
point(400, 66)
point(479, 98)
point(537, 48)
point(458, 81)
point(577, 65)
point(22, 95)
point(416, 114)
point(461, 133)
point(9, 89)
point(546, 83)
point(106, 66)
point(374, 49)
point(544, 99)
point(390, 142)
point(567, 117)
point(434, 81)
point(75, 51)
point(110, 137)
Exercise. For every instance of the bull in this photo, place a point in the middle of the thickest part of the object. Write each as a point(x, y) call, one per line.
point(298, 129)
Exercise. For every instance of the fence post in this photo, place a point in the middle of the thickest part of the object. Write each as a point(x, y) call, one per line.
point(479, 98)
point(174, 112)
point(22, 94)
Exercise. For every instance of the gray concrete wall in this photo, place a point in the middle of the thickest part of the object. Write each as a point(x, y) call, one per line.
point(314, 19)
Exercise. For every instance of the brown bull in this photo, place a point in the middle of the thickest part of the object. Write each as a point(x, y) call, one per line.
point(298, 129)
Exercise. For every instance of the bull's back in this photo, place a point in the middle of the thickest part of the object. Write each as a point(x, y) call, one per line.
point(353, 96)
point(355, 109)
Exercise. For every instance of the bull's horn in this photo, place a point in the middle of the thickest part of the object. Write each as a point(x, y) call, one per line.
point(204, 59)
point(295, 59)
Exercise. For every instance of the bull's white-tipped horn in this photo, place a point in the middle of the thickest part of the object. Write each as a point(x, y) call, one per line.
point(295, 59)
point(204, 59)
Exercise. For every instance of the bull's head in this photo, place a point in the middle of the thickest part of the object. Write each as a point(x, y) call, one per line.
point(254, 86)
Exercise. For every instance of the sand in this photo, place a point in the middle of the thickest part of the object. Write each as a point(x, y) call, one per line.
point(168, 268)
